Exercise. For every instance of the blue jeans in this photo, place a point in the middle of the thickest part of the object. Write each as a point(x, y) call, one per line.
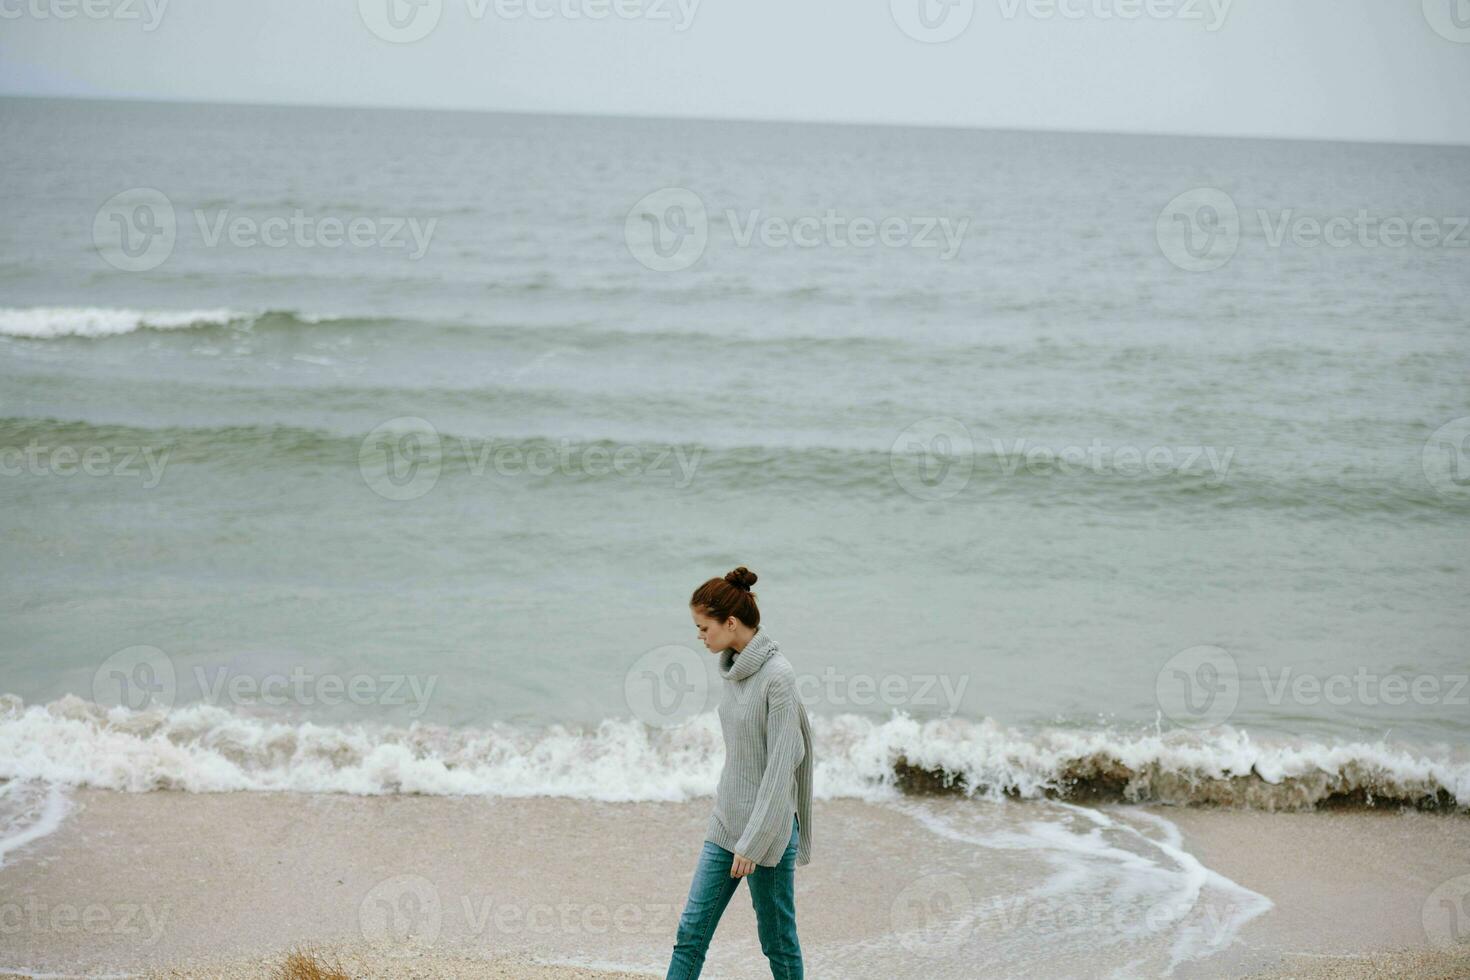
point(772, 892)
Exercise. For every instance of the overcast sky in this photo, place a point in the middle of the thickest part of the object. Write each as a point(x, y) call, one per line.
point(1380, 70)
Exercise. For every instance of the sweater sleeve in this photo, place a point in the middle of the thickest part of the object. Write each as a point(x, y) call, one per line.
point(769, 824)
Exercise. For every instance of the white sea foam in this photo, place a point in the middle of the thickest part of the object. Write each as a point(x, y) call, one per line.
point(49, 322)
point(28, 812)
point(207, 748)
point(1112, 885)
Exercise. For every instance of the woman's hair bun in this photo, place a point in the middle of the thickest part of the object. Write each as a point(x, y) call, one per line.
point(716, 600)
point(741, 578)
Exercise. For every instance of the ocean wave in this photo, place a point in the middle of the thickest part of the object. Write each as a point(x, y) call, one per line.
point(51, 322)
point(58, 322)
point(207, 748)
point(1197, 480)
point(541, 339)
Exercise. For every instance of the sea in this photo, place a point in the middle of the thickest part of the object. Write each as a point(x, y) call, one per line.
point(367, 451)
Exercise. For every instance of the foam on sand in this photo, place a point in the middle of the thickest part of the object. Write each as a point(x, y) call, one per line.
point(28, 812)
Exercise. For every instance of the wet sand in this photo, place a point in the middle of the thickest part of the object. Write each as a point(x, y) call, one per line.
point(403, 886)
point(1368, 884)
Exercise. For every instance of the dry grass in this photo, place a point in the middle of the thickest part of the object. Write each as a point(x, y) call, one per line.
point(308, 964)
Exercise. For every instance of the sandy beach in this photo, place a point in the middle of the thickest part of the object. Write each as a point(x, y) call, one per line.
point(399, 962)
point(222, 885)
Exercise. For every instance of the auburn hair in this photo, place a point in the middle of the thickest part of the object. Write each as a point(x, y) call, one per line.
point(721, 598)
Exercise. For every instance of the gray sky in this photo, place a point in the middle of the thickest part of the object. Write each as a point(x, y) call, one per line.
point(1381, 70)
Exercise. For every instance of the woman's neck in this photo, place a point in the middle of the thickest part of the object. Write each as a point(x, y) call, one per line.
point(740, 642)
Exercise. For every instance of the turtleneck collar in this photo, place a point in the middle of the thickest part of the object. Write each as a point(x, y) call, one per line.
point(737, 667)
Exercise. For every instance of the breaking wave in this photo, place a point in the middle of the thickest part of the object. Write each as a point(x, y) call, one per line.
point(207, 748)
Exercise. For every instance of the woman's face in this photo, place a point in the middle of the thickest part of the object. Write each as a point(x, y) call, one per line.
point(714, 634)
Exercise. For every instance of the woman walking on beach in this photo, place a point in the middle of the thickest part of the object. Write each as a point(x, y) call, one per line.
point(761, 825)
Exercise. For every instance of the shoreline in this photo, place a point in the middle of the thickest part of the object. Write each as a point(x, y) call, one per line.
point(400, 963)
point(547, 888)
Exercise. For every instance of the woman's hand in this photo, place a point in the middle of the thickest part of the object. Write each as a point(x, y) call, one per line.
point(741, 866)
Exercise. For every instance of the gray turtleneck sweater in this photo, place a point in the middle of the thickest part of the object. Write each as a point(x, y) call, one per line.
point(768, 756)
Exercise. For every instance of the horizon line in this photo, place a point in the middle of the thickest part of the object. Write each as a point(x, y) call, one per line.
point(652, 117)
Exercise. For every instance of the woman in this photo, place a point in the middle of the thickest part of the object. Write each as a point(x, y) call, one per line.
point(761, 825)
